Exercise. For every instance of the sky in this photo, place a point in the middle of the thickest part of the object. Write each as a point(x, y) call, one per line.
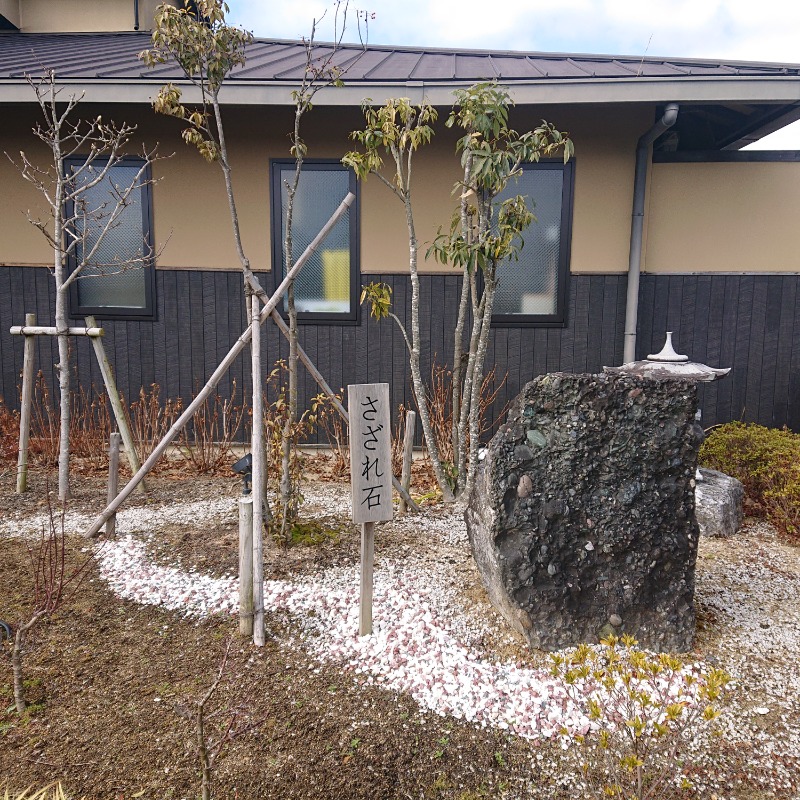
point(716, 29)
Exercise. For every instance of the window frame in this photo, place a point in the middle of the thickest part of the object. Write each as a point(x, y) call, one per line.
point(559, 318)
point(133, 313)
point(276, 165)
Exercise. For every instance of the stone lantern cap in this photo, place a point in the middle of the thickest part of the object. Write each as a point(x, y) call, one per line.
point(669, 364)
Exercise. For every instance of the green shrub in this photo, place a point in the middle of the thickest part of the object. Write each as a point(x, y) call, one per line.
point(767, 462)
point(643, 712)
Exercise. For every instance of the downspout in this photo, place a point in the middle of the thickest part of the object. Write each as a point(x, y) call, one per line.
point(637, 227)
point(136, 15)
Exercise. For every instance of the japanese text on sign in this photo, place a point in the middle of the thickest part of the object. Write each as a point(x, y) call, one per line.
point(370, 451)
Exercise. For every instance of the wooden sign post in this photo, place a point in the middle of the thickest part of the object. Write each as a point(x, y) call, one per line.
point(370, 476)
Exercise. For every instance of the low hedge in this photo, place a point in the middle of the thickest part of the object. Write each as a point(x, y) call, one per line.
point(767, 462)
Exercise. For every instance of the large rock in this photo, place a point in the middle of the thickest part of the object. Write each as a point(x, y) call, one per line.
point(718, 503)
point(582, 518)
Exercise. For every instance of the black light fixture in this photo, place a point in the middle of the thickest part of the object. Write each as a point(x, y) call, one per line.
point(244, 467)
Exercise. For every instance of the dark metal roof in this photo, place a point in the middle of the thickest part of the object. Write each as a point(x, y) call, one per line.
point(114, 56)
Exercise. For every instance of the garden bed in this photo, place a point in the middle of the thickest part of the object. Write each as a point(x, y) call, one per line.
point(441, 702)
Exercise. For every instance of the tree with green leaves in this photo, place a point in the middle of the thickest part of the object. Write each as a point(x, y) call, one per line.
point(485, 236)
point(398, 130)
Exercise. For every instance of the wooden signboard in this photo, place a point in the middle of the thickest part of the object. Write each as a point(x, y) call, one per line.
point(370, 451)
point(370, 476)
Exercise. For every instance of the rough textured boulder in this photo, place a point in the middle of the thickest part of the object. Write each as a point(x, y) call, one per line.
point(718, 503)
point(582, 518)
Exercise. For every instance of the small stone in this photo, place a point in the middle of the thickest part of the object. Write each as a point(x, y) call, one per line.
point(536, 438)
point(525, 486)
point(761, 710)
point(615, 620)
point(589, 546)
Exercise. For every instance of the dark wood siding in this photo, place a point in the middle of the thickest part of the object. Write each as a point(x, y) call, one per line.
point(751, 323)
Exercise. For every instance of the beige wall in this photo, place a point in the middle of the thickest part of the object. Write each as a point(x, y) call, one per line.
point(192, 224)
point(10, 10)
point(65, 16)
point(723, 217)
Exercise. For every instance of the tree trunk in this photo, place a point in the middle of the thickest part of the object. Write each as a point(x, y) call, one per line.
point(205, 760)
point(416, 374)
point(64, 389)
point(477, 384)
point(16, 661)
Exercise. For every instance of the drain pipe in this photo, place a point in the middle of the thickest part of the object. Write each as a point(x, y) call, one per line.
point(136, 15)
point(637, 227)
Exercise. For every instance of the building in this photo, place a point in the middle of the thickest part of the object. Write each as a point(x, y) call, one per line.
point(720, 254)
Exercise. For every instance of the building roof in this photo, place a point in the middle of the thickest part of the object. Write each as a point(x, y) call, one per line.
point(114, 55)
point(105, 67)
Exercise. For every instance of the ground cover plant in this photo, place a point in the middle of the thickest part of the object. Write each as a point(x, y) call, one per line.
point(440, 703)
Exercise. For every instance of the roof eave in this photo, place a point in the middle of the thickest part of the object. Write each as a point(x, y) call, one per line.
point(589, 91)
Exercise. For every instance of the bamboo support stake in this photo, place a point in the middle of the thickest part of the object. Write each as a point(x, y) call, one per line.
point(257, 445)
point(25, 407)
point(116, 401)
point(221, 369)
point(113, 481)
point(246, 566)
point(323, 384)
point(367, 562)
point(45, 330)
point(408, 454)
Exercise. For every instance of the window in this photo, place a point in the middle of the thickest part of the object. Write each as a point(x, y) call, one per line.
point(326, 290)
point(119, 280)
point(532, 290)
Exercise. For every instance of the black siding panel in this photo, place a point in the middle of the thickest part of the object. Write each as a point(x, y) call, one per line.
point(751, 323)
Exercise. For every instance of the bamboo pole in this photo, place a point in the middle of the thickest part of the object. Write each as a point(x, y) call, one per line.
point(116, 402)
point(26, 402)
point(408, 453)
point(45, 330)
point(113, 481)
point(323, 384)
point(221, 369)
point(246, 566)
point(257, 446)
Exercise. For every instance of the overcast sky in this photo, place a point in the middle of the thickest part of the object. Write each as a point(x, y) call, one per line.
point(723, 29)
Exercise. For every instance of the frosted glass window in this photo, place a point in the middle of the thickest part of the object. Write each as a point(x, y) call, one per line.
point(531, 286)
point(117, 281)
point(326, 283)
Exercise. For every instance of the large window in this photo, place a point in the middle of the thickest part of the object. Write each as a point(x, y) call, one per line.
point(532, 290)
point(327, 287)
point(118, 281)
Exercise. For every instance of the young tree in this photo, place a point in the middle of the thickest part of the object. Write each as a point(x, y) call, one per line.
point(54, 582)
point(320, 71)
point(484, 235)
point(400, 129)
point(85, 205)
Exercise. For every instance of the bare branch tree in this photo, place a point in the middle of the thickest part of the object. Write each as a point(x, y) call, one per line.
point(54, 583)
point(78, 225)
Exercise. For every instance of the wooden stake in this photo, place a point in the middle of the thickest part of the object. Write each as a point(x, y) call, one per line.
point(51, 330)
point(116, 402)
point(246, 565)
point(26, 402)
point(258, 477)
point(113, 481)
point(367, 561)
point(408, 454)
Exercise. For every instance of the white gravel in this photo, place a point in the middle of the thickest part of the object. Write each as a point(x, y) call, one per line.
point(429, 643)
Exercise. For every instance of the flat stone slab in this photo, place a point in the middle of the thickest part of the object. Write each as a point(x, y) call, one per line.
point(582, 520)
point(718, 503)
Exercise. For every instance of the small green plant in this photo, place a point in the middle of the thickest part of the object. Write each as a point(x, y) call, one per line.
point(643, 712)
point(767, 462)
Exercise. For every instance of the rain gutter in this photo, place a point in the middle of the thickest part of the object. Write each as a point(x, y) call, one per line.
point(643, 149)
